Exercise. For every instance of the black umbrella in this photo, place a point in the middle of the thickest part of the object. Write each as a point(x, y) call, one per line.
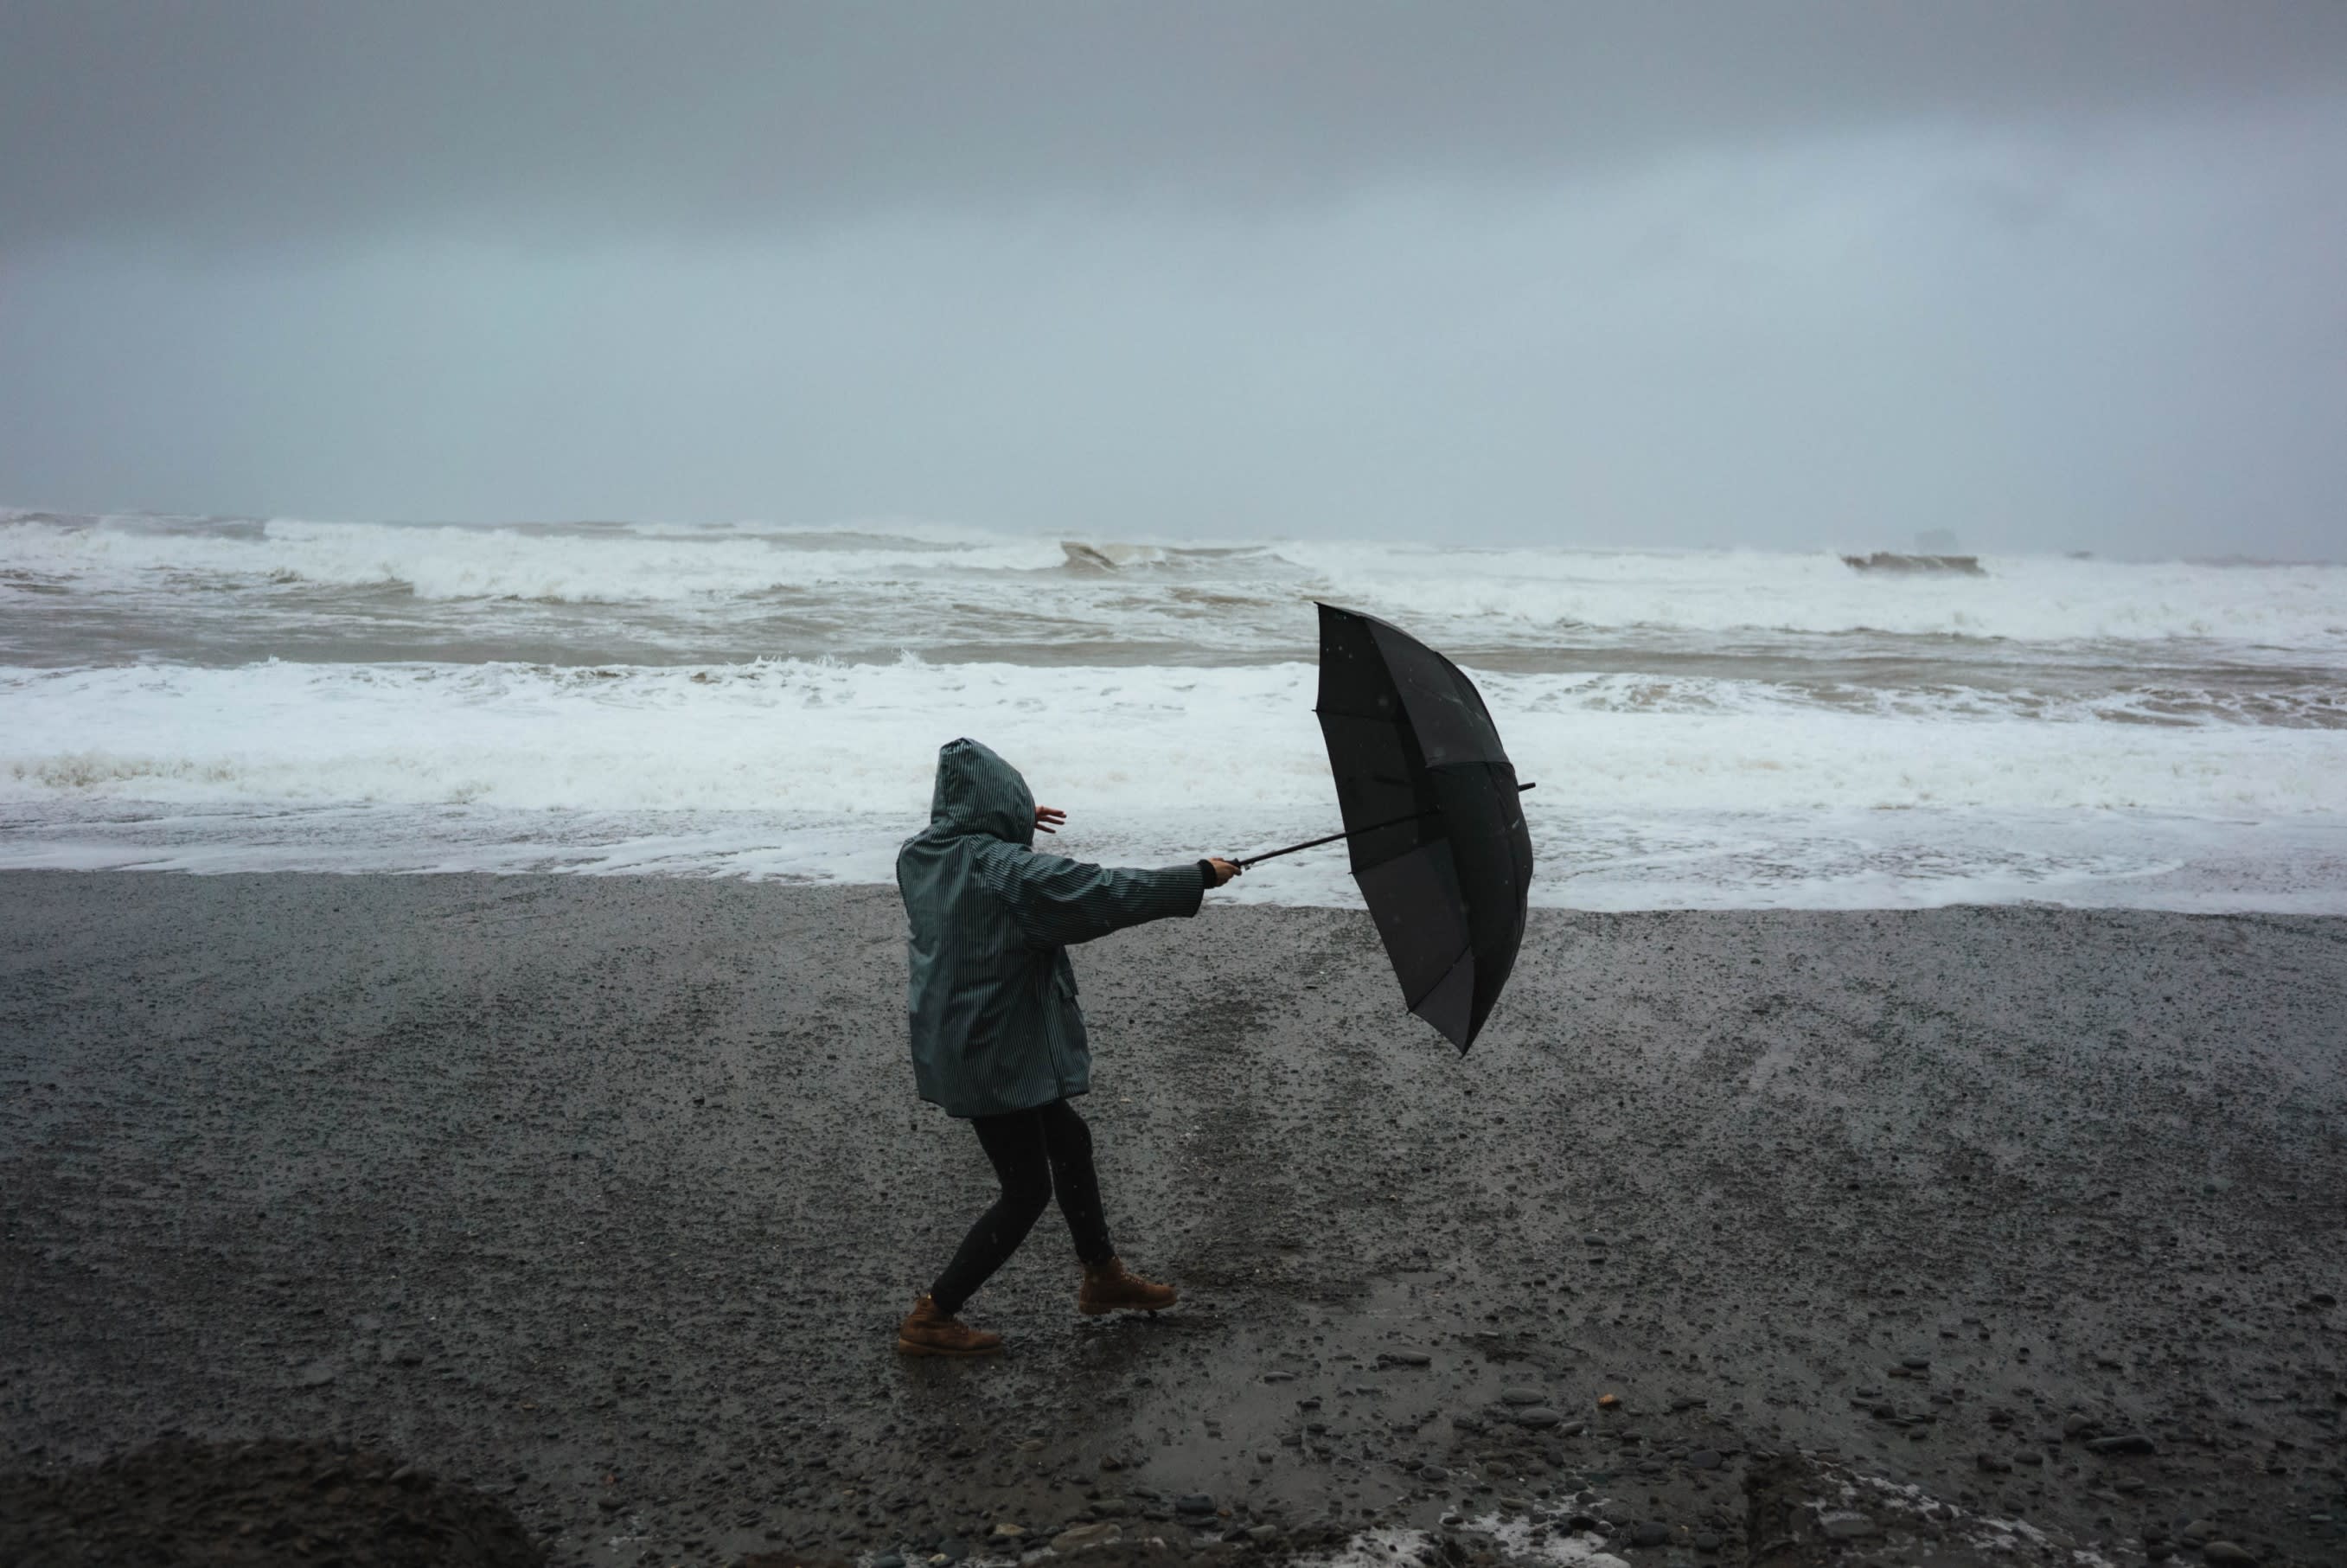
point(1431, 817)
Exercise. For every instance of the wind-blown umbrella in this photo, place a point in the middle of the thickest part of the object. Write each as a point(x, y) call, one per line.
point(1431, 817)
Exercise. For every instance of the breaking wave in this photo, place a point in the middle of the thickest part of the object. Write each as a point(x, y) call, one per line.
point(859, 740)
point(1708, 729)
point(1527, 596)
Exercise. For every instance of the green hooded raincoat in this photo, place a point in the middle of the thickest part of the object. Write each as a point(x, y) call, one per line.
point(995, 1024)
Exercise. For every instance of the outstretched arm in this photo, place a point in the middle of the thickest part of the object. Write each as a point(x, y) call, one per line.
point(1059, 902)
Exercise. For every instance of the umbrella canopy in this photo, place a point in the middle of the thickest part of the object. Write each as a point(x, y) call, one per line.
point(1431, 815)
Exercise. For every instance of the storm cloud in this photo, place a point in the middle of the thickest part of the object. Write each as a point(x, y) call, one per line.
point(2050, 276)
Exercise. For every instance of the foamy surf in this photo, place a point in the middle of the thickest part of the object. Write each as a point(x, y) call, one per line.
point(901, 585)
point(858, 741)
point(1709, 729)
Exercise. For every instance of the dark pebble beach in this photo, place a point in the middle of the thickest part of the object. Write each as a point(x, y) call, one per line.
point(1999, 1234)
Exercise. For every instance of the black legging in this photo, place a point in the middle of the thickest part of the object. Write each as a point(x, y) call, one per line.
point(1034, 1152)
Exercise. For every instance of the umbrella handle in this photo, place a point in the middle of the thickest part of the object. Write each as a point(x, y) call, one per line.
point(1350, 833)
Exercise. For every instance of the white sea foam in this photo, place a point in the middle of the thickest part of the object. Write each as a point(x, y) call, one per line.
point(1520, 1542)
point(1528, 597)
point(829, 738)
point(1708, 728)
point(1719, 796)
point(2027, 597)
point(456, 563)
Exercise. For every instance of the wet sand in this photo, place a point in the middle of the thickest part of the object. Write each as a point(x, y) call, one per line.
point(605, 1194)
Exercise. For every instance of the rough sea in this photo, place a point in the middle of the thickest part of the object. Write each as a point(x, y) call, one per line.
point(1714, 729)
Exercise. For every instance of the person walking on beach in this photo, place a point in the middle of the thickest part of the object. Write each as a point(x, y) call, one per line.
point(997, 1038)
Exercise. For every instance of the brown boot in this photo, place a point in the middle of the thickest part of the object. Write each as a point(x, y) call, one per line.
point(927, 1331)
point(1110, 1287)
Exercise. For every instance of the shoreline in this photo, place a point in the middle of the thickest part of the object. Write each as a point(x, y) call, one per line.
point(1813, 860)
point(570, 1178)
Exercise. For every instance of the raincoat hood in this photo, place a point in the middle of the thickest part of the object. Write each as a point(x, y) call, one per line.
point(977, 791)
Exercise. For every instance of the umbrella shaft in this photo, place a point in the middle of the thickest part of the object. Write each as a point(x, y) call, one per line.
point(1349, 832)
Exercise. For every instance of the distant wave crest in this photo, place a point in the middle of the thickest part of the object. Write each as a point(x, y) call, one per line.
point(900, 577)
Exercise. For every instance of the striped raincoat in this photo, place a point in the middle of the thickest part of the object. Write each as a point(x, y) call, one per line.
point(995, 1023)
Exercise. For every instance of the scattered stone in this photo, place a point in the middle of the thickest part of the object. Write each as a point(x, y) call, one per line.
point(1993, 1465)
point(2196, 1532)
point(889, 1560)
point(1705, 1458)
point(1704, 1540)
point(953, 1549)
point(1262, 1534)
point(1609, 1401)
point(2124, 1443)
point(1002, 1532)
point(2228, 1555)
point(2075, 1426)
point(1433, 1474)
point(1916, 1363)
point(1404, 1359)
point(1195, 1503)
point(1650, 1533)
point(1537, 1416)
point(1519, 1396)
point(1084, 1538)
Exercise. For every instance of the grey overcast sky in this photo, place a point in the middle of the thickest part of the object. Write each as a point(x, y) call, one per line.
point(2050, 273)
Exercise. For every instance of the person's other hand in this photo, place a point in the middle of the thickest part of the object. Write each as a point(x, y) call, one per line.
point(1047, 818)
point(1224, 869)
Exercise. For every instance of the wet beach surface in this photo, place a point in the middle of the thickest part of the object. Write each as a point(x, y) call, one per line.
point(2019, 1229)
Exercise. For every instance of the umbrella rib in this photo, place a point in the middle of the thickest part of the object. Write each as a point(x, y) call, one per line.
point(1414, 1002)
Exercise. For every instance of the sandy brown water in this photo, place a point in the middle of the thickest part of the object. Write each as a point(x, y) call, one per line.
point(606, 1194)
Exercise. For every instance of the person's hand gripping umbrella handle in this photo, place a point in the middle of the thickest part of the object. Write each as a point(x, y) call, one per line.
point(1222, 870)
